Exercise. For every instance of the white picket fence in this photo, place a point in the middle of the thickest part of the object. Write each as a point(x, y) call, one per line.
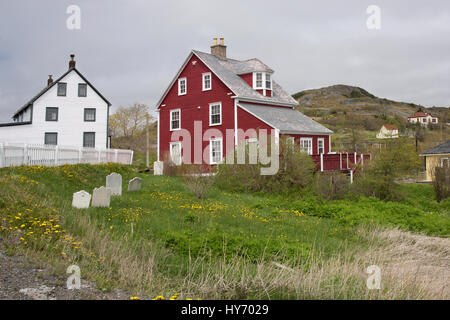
point(48, 155)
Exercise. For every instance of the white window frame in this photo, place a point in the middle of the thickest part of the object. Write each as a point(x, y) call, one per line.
point(310, 147)
point(318, 145)
point(210, 113)
point(211, 150)
point(179, 160)
point(179, 120)
point(204, 81)
point(270, 81)
point(179, 86)
point(443, 160)
point(263, 81)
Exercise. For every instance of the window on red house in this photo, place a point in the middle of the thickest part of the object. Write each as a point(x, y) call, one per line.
point(175, 119)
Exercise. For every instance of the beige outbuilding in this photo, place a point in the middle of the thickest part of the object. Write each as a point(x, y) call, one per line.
point(438, 156)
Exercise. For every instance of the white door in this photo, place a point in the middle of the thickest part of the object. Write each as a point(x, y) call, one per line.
point(175, 152)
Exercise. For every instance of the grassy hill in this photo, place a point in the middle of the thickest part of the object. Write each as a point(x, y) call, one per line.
point(162, 240)
point(350, 111)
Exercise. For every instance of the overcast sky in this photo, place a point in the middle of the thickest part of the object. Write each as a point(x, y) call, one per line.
point(130, 50)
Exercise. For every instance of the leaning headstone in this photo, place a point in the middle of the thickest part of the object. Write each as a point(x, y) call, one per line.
point(81, 199)
point(158, 168)
point(135, 184)
point(101, 197)
point(114, 182)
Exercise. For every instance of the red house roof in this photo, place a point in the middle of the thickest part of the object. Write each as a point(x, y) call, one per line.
point(420, 114)
point(390, 127)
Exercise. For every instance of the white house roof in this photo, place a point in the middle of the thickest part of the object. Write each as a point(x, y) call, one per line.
point(287, 120)
point(228, 70)
point(54, 83)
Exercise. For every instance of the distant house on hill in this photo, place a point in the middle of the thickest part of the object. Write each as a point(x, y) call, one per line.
point(388, 131)
point(424, 118)
point(438, 156)
point(69, 111)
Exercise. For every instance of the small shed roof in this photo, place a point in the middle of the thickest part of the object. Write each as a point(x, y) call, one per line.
point(443, 148)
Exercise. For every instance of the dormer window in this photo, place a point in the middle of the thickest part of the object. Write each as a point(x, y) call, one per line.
point(262, 81)
point(268, 81)
point(258, 80)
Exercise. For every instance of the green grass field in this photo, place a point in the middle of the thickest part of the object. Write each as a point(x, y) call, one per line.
point(163, 240)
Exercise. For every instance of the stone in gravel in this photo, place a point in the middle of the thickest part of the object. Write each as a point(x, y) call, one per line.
point(40, 293)
point(114, 181)
point(101, 197)
point(81, 199)
point(135, 184)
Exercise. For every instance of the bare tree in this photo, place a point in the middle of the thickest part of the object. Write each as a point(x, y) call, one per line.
point(128, 125)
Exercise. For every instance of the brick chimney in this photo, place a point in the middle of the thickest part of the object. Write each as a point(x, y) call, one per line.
point(50, 80)
point(72, 61)
point(219, 50)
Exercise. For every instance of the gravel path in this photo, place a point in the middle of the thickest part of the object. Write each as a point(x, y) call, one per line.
point(21, 279)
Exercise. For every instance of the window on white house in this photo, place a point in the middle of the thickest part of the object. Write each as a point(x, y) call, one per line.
point(215, 150)
point(89, 139)
point(175, 153)
point(82, 89)
point(306, 145)
point(320, 145)
point(51, 114)
point(434, 120)
point(182, 86)
point(51, 138)
point(89, 114)
point(62, 89)
point(268, 81)
point(175, 119)
point(215, 114)
point(206, 81)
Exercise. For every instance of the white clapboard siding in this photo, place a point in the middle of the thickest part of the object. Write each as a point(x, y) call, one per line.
point(48, 155)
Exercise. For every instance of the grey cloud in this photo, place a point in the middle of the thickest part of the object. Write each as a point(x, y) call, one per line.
point(131, 50)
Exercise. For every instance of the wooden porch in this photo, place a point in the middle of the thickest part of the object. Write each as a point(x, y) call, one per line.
point(344, 162)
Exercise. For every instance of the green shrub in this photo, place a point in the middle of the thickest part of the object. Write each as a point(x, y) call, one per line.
point(296, 172)
point(441, 183)
point(397, 160)
point(332, 185)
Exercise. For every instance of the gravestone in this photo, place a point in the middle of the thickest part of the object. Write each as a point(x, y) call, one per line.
point(158, 168)
point(101, 197)
point(135, 184)
point(114, 182)
point(81, 199)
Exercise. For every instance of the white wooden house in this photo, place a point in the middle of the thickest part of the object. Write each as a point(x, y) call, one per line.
point(388, 131)
point(69, 111)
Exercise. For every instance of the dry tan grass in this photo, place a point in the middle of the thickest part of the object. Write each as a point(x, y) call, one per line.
point(412, 267)
point(418, 259)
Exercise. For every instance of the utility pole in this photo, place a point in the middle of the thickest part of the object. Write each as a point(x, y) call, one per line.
point(147, 138)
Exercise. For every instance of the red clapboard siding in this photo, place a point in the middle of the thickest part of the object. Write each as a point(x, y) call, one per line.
point(190, 102)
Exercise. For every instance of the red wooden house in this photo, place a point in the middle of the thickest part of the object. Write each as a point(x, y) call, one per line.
point(226, 94)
